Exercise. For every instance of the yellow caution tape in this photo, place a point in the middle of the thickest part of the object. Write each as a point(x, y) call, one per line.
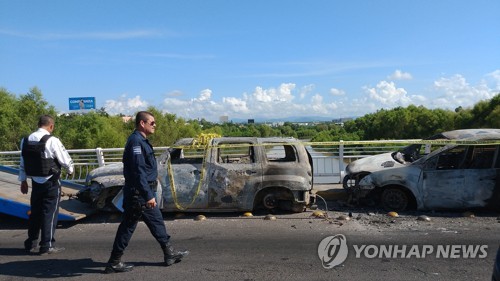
point(172, 182)
point(204, 139)
point(345, 143)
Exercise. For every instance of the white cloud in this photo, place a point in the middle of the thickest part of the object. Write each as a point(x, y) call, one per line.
point(306, 90)
point(199, 107)
point(236, 105)
point(283, 93)
point(495, 77)
point(455, 91)
point(337, 92)
point(400, 75)
point(262, 96)
point(204, 95)
point(317, 105)
point(388, 95)
point(288, 100)
point(495, 74)
point(125, 105)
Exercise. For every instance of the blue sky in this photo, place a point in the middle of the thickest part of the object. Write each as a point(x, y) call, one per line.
point(253, 59)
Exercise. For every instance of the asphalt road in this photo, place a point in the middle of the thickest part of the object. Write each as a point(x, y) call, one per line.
point(232, 247)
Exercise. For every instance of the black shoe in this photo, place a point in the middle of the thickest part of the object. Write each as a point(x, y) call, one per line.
point(29, 247)
point(119, 267)
point(51, 250)
point(175, 258)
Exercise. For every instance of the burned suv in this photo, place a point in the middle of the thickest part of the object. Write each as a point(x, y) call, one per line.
point(226, 174)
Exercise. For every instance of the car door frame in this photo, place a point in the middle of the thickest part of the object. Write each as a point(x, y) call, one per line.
point(233, 185)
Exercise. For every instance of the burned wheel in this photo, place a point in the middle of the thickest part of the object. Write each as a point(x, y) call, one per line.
point(394, 199)
point(270, 201)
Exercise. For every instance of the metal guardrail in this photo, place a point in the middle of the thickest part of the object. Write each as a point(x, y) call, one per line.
point(329, 161)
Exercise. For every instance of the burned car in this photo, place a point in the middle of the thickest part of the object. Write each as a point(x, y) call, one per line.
point(358, 169)
point(465, 174)
point(228, 174)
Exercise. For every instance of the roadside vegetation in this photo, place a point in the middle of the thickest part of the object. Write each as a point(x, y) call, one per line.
point(19, 115)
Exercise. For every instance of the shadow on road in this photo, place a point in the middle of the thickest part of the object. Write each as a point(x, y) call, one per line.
point(48, 268)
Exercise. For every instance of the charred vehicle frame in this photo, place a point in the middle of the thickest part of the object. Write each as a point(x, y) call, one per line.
point(227, 174)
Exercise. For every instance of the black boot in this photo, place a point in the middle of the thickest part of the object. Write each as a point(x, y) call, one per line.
point(29, 245)
point(115, 264)
point(172, 256)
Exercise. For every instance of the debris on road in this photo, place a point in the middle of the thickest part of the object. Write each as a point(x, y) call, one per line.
point(343, 218)
point(469, 215)
point(270, 218)
point(200, 218)
point(393, 214)
point(423, 218)
point(318, 214)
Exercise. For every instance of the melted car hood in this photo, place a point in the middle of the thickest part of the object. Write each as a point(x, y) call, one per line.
point(108, 170)
point(373, 163)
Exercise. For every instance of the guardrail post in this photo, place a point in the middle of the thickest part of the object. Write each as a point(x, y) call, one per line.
point(100, 156)
point(341, 159)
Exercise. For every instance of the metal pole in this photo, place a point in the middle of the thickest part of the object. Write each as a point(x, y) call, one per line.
point(100, 156)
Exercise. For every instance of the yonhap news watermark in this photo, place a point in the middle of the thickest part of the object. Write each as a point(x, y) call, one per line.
point(333, 251)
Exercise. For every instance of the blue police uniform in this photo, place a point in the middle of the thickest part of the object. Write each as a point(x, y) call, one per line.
point(140, 172)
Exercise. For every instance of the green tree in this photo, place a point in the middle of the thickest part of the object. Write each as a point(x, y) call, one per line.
point(91, 130)
point(20, 116)
point(486, 113)
point(287, 131)
point(10, 121)
point(32, 105)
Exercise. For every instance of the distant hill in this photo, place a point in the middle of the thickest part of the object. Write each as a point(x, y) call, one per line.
point(297, 119)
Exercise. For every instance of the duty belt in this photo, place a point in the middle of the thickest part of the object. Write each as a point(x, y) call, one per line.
point(153, 185)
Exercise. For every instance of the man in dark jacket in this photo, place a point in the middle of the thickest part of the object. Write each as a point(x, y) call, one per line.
point(140, 172)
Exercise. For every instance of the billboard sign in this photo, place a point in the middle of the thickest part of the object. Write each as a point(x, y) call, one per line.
point(81, 103)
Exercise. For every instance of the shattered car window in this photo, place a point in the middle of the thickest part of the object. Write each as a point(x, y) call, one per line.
point(281, 153)
point(236, 155)
point(481, 157)
point(410, 153)
point(452, 159)
point(187, 156)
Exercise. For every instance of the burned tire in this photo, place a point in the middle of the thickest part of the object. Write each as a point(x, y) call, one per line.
point(270, 201)
point(275, 198)
point(395, 199)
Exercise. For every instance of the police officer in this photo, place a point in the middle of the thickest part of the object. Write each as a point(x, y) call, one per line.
point(140, 172)
point(42, 156)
